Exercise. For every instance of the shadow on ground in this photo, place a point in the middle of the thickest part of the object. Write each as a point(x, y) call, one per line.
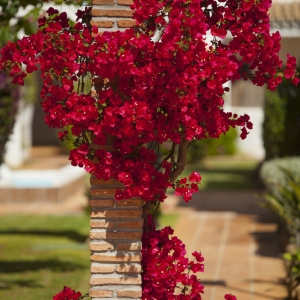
point(56, 265)
point(70, 234)
point(241, 202)
point(10, 284)
point(263, 241)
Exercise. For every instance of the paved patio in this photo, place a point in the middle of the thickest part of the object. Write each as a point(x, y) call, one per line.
point(239, 243)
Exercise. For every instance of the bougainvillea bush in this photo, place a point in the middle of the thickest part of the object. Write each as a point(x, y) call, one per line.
point(161, 83)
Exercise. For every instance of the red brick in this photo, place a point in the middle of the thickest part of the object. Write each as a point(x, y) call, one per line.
point(129, 202)
point(122, 13)
point(126, 23)
point(125, 2)
point(101, 224)
point(103, 246)
point(116, 258)
point(130, 224)
point(103, 2)
point(102, 192)
point(130, 294)
point(102, 203)
point(102, 24)
point(124, 235)
point(130, 247)
point(129, 268)
point(116, 235)
point(122, 214)
point(103, 268)
point(113, 280)
point(101, 293)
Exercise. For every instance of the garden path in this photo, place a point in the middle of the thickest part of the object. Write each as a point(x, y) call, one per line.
point(238, 240)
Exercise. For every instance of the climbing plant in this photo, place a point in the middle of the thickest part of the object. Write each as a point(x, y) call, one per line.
point(162, 82)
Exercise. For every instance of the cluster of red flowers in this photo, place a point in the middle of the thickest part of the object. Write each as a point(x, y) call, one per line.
point(148, 92)
point(162, 84)
point(166, 269)
point(67, 294)
point(185, 189)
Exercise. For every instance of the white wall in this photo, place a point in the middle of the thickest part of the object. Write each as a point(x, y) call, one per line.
point(253, 144)
point(20, 141)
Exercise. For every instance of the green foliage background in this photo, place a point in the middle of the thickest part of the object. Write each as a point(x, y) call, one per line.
point(10, 25)
point(225, 144)
point(281, 126)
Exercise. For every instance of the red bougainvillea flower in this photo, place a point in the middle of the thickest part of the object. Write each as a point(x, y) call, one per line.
point(67, 294)
point(230, 297)
point(165, 267)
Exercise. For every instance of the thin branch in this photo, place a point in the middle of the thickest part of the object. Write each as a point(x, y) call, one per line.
point(155, 214)
point(172, 152)
point(181, 160)
point(170, 155)
point(148, 206)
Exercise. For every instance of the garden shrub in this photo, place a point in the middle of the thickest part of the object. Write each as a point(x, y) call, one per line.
point(281, 126)
point(283, 199)
point(272, 175)
point(273, 125)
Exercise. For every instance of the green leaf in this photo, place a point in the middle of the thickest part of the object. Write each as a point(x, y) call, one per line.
point(290, 175)
point(296, 189)
point(273, 204)
point(4, 34)
point(29, 28)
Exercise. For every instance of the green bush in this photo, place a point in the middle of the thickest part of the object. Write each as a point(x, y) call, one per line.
point(9, 98)
point(281, 126)
point(282, 178)
point(225, 144)
point(285, 202)
point(272, 175)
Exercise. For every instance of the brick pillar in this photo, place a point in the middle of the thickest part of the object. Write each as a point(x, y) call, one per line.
point(115, 243)
point(116, 226)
